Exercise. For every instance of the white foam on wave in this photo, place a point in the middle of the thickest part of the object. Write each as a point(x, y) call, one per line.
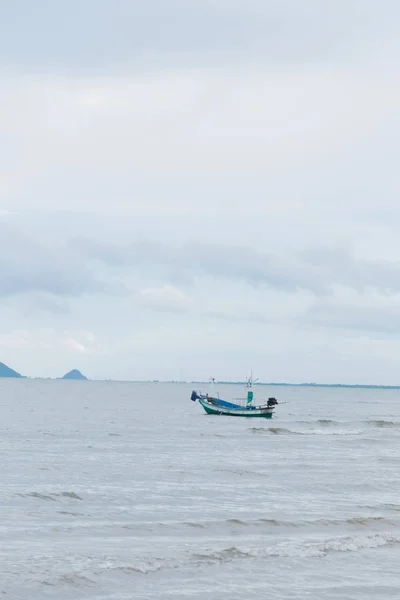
point(340, 544)
point(294, 549)
point(286, 431)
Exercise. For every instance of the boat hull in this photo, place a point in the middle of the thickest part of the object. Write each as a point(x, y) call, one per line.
point(251, 412)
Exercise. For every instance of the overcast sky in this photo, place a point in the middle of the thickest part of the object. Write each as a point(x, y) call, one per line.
point(193, 188)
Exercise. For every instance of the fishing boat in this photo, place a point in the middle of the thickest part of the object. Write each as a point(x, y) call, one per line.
point(213, 405)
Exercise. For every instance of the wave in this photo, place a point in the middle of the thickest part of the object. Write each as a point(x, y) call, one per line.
point(69, 495)
point(221, 556)
point(356, 521)
point(327, 422)
point(274, 430)
point(52, 496)
point(234, 526)
point(350, 544)
point(138, 566)
point(76, 580)
point(93, 568)
point(335, 432)
point(362, 521)
point(290, 549)
point(237, 522)
point(36, 495)
point(70, 514)
point(326, 425)
point(383, 423)
point(243, 472)
point(285, 431)
point(218, 556)
point(391, 506)
point(70, 580)
point(340, 544)
point(143, 569)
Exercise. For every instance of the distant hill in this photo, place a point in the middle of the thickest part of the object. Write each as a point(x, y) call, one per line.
point(74, 374)
point(7, 372)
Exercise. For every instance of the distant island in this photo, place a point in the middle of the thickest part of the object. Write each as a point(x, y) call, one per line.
point(10, 373)
point(7, 372)
point(75, 374)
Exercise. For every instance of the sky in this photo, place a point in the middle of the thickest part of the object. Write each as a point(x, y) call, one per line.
point(196, 188)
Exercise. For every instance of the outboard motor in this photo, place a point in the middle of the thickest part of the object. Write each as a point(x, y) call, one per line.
point(194, 396)
point(272, 401)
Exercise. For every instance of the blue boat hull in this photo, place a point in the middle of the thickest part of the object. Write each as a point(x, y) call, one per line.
point(215, 406)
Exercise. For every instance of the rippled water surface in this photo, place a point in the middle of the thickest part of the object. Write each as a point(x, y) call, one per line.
point(130, 491)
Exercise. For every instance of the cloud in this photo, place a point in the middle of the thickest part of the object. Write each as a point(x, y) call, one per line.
point(195, 260)
point(366, 320)
point(30, 265)
point(323, 286)
point(80, 342)
point(319, 270)
point(31, 304)
point(214, 143)
point(320, 287)
point(75, 346)
point(231, 302)
point(373, 314)
point(340, 266)
point(121, 35)
point(166, 297)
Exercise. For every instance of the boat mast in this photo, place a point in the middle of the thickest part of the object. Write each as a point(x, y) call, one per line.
point(249, 385)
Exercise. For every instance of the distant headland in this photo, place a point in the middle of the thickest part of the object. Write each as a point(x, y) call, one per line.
point(374, 386)
point(10, 373)
point(7, 372)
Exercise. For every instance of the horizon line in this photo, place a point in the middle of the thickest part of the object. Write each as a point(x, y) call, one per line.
point(222, 382)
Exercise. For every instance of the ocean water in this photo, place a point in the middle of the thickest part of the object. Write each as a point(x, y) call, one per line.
point(120, 491)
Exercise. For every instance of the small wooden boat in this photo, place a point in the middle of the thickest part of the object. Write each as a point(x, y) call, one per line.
point(216, 406)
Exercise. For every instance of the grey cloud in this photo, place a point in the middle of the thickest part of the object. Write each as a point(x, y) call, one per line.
point(243, 316)
point(32, 303)
point(30, 265)
point(27, 265)
point(183, 264)
point(317, 270)
point(366, 319)
point(218, 315)
point(341, 267)
point(124, 34)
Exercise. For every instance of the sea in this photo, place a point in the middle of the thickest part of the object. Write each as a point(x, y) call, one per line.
point(129, 491)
